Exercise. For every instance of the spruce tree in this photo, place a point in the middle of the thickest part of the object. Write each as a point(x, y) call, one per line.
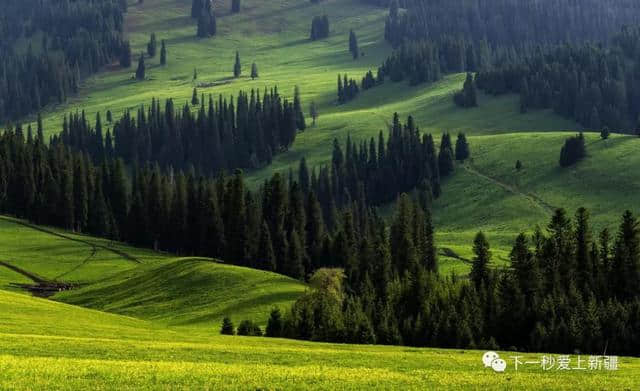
point(152, 45)
point(297, 108)
point(235, 6)
point(462, 147)
point(194, 97)
point(140, 72)
point(480, 267)
point(604, 133)
point(254, 71)
point(353, 45)
point(266, 258)
point(237, 67)
point(163, 53)
point(275, 324)
point(125, 55)
point(227, 327)
point(445, 157)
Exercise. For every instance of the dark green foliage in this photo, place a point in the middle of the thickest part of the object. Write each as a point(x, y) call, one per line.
point(468, 96)
point(313, 112)
point(572, 151)
point(140, 71)
point(518, 165)
point(353, 45)
point(249, 328)
point(163, 53)
point(125, 55)
point(297, 108)
point(319, 27)
point(237, 66)
point(227, 327)
point(445, 157)
point(462, 147)
point(235, 6)
point(605, 133)
point(347, 89)
point(194, 97)
point(275, 325)
point(152, 45)
point(254, 71)
point(480, 268)
point(207, 23)
point(60, 43)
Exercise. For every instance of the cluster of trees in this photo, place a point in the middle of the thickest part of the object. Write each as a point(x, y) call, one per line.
point(507, 22)
point(347, 89)
point(573, 150)
point(246, 328)
point(221, 135)
point(426, 61)
point(563, 291)
point(292, 226)
point(467, 97)
point(203, 12)
point(595, 85)
point(319, 27)
point(76, 39)
point(379, 171)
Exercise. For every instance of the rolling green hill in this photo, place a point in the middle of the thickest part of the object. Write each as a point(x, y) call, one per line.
point(47, 345)
point(189, 291)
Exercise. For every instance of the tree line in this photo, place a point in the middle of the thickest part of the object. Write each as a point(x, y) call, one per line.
point(507, 22)
point(289, 225)
point(596, 85)
point(67, 41)
point(563, 290)
point(219, 136)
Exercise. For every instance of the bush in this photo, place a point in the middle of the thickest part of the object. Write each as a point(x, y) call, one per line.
point(275, 325)
point(227, 327)
point(249, 328)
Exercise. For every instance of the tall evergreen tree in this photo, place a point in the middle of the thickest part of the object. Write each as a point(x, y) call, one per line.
point(237, 67)
point(140, 72)
point(462, 147)
point(353, 45)
point(163, 53)
point(152, 45)
point(480, 267)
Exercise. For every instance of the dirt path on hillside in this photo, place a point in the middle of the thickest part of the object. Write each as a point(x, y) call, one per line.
point(94, 246)
point(42, 286)
point(542, 204)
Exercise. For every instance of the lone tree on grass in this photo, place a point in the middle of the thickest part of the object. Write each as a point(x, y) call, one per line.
point(468, 96)
point(353, 45)
point(141, 68)
point(163, 53)
point(480, 268)
point(227, 327)
point(237, 67)
point(254, 71)
point(152, 45)
point(462, 147)
point(605, 133)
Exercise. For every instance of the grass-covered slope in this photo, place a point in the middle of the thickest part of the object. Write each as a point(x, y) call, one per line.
point(189, 292)
point(49, 345)
point(488, 193)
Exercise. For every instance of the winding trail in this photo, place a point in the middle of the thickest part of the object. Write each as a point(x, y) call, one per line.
point(542, 204)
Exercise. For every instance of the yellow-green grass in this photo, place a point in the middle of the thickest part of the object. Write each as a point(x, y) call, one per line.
point(189, 292)
point(49, 345)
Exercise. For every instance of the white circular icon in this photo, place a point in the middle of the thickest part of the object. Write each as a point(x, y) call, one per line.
point(498, 365)
point(488, 357)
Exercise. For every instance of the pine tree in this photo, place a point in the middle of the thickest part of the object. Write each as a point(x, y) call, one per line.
point(445, 157)
point(297, 108)
point(140, 72)
point(227, 327)
point(194, 97)
point(254, 71)
point(163, 53)
point(237, 67)
point(480, 267)
point(275, 324)
point(265, 258)
point(235, 6)
point(109, 116)
point(604, 133)
point(353, 45)
point(125, 55)
point(462, 147)
point(294, 266)
point(152, 45)
point(196, 8)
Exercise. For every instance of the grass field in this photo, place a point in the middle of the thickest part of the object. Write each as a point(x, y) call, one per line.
point(47, 345)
